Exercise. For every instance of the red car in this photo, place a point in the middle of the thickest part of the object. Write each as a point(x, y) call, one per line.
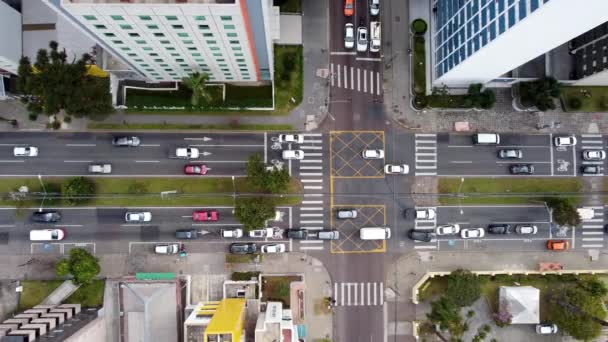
point(349, 7)
point(195, 169)
point(205, 215)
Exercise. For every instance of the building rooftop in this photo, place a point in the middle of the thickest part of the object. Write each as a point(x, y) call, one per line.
point(150, 1)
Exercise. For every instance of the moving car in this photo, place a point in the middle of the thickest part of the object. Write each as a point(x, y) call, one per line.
point(362, 39)
point(243, 248)
point(349, 36)
point(568, 140)
point(424, 214)
point(126, 141)
point(261, 233)
point(143, 216)
point(327, 234)
point(186, 234)
point(510, 154)
point(499, 229)
point(205, 215)
point(27, 151)
point(522, 169)
point(297, 234)
point(46, 216)
point(349, 7)
point(374, 7)
point(447, 229)
point(273, 248)
point(594, 155)
point(472, 233)
point(526, 229)
point(191, 169)
point(293, 154)
point(100, 168)
point(375, 233)
point(187, 152)
point(418, 235)
point(231, 233)
point(591, 170)
point(558, 245)
point(546, 329)
point(291, 138)
point(372, 154)
point(169, 248)
point(396, 169)
point(347, 213)
point(47, 234)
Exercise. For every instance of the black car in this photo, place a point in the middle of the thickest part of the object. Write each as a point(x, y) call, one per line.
point(418, 235)
point(591, 170)
point(522, 169)
point(499, 229)
point(126, 141)
point(186, 234)
point(297, 234)
point(47, 216)
point(243, 248)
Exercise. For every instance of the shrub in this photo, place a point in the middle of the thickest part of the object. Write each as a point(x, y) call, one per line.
point(77, 190)
point(603, 103)
point(67, 119)
point(575, 103)
point(540, 93)
point(419, 26)
point(33, 116)
point(420, 102)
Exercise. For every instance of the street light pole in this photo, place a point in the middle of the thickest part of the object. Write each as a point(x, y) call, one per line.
point(460, 195)
point(43, 189)
point(233, 195)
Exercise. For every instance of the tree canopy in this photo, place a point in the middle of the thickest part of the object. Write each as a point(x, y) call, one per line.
point(577, 312)
point(564, 212)
point(463, 287)
point(273, 181)
point(81, 264)
point(446, 313)
point(540, 93)
point(76, 189)
point(197, 82)
point(254, 212)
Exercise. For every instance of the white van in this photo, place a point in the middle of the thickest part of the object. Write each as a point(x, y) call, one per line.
point(486, 139)
point(375, 233)
point(47, 234)
point(375, 36)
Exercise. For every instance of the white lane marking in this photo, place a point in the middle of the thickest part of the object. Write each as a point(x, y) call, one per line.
point(423, 167)
point(265, 149)
point(311, 147)
point(551, 153)
point(310, 174)
point(381, 293)
point(215, 224)
point(336, 293)
point(371, 82)
point(303, 248)
point(375, 288)
point(425, 247)
point(343, 53)
point(358, 79)
point(12, 161)
point(311, 241)
point(593, 239)
point(339, 77)
point(345, 76)
point(312, 134)
point(311, 208)
point(305, 222)
point(310, 161)
point(311, 181)
point(592, 246)
point(592, 233)
point(80, 145)
point(314, 154)
point(312, 141)
point(591, 142)
point(6, 225)
point(147, 161)
point(592, 147)
point(369, 59)
point(249, 145)
point(219, 161)
point(378, 83)
point(591, 135)
point(460, 146)
point(313, 187)
point(305, 195)
point(461, 162)
point(369, 296)
point(68, 225)
point(331, 74)
point(426, 174)
point(352, 75)
point(77, 161)
point(312, 202)
point(574, 161)
point(364, 81)
point(311, 167)
point(149, 145)
point(523, 162)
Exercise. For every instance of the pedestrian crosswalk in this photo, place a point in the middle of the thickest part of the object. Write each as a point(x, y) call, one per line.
point(592, 142)
point(426, 154)
point(426, 225)
point(593, 229)
point(310, 173)
point(357, 79)
point(359, 294)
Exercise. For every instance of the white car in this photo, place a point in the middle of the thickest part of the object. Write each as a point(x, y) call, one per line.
point(293, 154)
point(29, 151)
point(171, 248)
point(274, 248)
point(187, 152)
point(472, 233)
point(261, 233)
point(569, 140)
point(291, 138)
point(143, 216)
point(546, 329)
point(448, 229)
point(396, 169)
point(349, 36)
point(362, 39)
point(425, 214)
point(372, 154)
point(374, 7)
point(100, 168)
point(594, 155)
point(232, 233)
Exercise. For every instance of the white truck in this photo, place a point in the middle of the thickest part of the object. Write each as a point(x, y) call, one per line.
point(375, 36)
point(100, 168)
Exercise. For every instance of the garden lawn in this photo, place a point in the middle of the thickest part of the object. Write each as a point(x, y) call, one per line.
point(235, 126)
point(176, 98)
point(419, 66)
point(505, 185)
point(273, 286)
point(447, 101)
point(242, 258)
point(89, 295)
point(35, 291)
point(288, 77)
point(598, 102)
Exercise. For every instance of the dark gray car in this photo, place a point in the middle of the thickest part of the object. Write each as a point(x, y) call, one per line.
point(243, 248)
point(297, 234)
point(126, 141)
point(47, 216)
point(186, 234)
point(418, 235)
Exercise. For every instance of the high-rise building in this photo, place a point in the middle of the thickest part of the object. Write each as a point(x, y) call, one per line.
point(481, 41)
point(10, 36)
point(165, 40)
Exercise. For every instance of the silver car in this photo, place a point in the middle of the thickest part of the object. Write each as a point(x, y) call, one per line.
point(347, 213)
point(349, 36)
point(594, 155)
point(372, 154)
point(510, 154)
point(362, 39)
point(144, 216)
point(448, 229)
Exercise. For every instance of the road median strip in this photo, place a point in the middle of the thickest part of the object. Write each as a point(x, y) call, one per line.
point(169, 126)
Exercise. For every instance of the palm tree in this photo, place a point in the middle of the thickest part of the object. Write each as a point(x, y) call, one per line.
point(197, 83)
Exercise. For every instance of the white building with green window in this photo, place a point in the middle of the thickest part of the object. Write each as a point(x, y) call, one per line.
point(165, 40)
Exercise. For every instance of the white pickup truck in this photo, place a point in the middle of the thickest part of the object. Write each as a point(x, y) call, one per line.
point(100, 168)
point(375, 36)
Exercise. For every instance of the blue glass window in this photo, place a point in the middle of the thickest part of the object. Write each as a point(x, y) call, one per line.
point(501, 24)
point(501, 5)
point(475, 24)
point(484, 18)
point(511, 16)
point(470, 28)
point(511, 2)
point(522, 9)
point(492, 9)
point(475, 44)
point(469, 47)
point(492, 31)
point(533, 5)
point(484, 37)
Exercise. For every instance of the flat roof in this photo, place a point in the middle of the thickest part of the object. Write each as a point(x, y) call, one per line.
point(227, 316)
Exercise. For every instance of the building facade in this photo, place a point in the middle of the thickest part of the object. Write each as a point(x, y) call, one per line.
point(480, 41)
point(165, 40)
point(10, 36)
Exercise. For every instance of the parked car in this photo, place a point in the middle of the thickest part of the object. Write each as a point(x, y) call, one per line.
point(361, 39)
point(558, 245)
point(522, 169)
point(297, 234)
point(418, 235)
point(472, 233)
point(293, 154)
point(510, 154)
point(372, 154)
point(424, 214)
point(349, 8)
point(205, 215)
point(568, 140)
point(47, 234)
point(100, 168)
point(273, 248)
point(349, 36)
point(594, 155)
point(186, 234)
point(447, 229)
point(243, 248)
point(347, 213)
point(261, 233)
point(328, 234)
point(169, 248)
point(291, 138)
point(374, 7)
point(546, 329)
point(231, 233)
point(191, 169)
point(46, 216)
point(396, 169)
point(138, 217)
point(499, 229)
point(126, 141)
point(591, 170)
point(187, 152)
point(25, 151)
point(526, 229)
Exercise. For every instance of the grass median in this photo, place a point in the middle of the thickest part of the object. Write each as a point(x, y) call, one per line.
point(146, 191)
point(168, 126)
point(506, 190)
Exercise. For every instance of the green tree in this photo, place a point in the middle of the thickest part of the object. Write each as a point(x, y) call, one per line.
point(594, 286)
point(274, 181)
point(198, 84)
point(81, 264)
point(254, 212)
point(577, 312)
point(256, 171)
point(277, 181)
point(564, 212)
point(540, 93)
point(77, 190)
point(463, 287)
point(446, 313)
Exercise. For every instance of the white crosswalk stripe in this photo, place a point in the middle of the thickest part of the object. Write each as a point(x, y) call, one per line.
point(425, 154)
point(593, 229)
point(592, 142)
point(357, 79)
point(359, 294)
point(426, 225)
